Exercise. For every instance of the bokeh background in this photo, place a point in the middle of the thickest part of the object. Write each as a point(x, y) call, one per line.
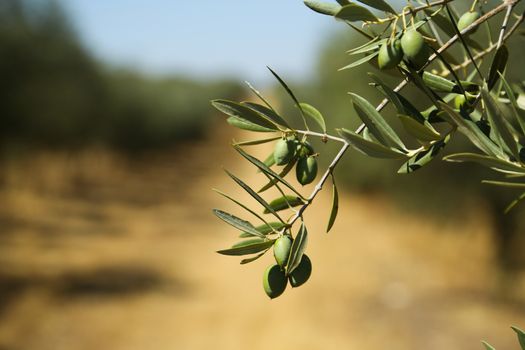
point(109, 150)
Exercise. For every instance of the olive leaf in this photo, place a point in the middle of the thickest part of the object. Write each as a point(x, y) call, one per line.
point(504, 184)
point(516, 112)
point(248, 248)
point(512, 205)
point(267, 113)
point(371, 45)
point(297, 250)
point(353, 13)
point(421, 131)
point(360, 61)
point(335, 205)
point(284, 202)
point(242, 115)
point(248, 189)
point(290, 93)
point(313, 113)
point(521, 336)
point(324, 8)
point(256, 142)
point(491, 162)
point(236, 222)
point(247, 125)
point(499, 124)
point(282, 174)
point(265, 169)
point(370, 148)
point(487, 346)
point(423, 157)
point(499, 62)
point(265, 229)
point(381, 5)
point(375, 122)
point(474, 134)
point(448, 28)
point(253, 258)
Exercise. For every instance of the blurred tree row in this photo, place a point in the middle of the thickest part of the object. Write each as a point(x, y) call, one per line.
point(53, 93)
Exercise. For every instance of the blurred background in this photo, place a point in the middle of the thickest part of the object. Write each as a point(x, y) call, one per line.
point(109, 150)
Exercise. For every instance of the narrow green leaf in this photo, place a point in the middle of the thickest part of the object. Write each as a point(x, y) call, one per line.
point(380, 5)
point(236, 222)
point(254, 194)
point(491, 162)
point(424, 157)
point(504, 184)
point(324, 8)
point(265, 229)
point(512, 205)
point(259, 95)
point(286, 202)
point(370, 148)
point(286, 87)
point(282, 174)
point(335, 206)
point(499, 62)
point(253, 258)
point(353, 13)
point(499, 123)
point(256, 142)
point(474, 134)
point(267, 113)
point(487, 346)
point(421, 131)
point(270, 160)
point(247, 249)
point(239, 111)
point(314, 114)
point(516, 112)
point(371, 45)
point(244, 207)
point(360, 61)
point(521, 336)
point(247, 125)
point(297, 250)
point(375, 122)
point(247, 242)
point(264, 168)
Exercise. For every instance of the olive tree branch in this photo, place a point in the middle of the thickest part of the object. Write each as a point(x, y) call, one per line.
point(504, 24)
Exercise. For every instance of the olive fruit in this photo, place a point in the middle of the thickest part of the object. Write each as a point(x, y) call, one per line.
point(414, 48)
point(306, 170)
point(302, 272)
point(274, 281)
point(304, 149)
point(464, 104)
point(284, 151)
point(390, 54)
point(281, 250)
point(467, 19)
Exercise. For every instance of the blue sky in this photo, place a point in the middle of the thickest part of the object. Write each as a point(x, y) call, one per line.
point(203, 37)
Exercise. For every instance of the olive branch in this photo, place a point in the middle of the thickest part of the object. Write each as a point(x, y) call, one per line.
point(481, 105)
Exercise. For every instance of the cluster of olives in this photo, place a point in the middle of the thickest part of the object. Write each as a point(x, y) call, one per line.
point(289, 150)
point(412, 46)
point(276, 276)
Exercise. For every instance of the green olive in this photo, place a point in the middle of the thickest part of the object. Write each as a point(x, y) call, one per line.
point(302, 272)
point(306, 170)
point(284, 151)
point(281, 250)
point(464, 104)
point(304, 149)
point(467, 19)
point(390, 54)
point(414, 48)
point(274, 281)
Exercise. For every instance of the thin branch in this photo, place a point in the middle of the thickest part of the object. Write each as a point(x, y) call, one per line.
point(504, 25)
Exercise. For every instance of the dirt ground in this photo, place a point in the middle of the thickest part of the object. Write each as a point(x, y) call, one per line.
point(101, 252)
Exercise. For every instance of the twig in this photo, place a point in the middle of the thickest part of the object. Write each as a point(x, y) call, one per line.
point(504, 25)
